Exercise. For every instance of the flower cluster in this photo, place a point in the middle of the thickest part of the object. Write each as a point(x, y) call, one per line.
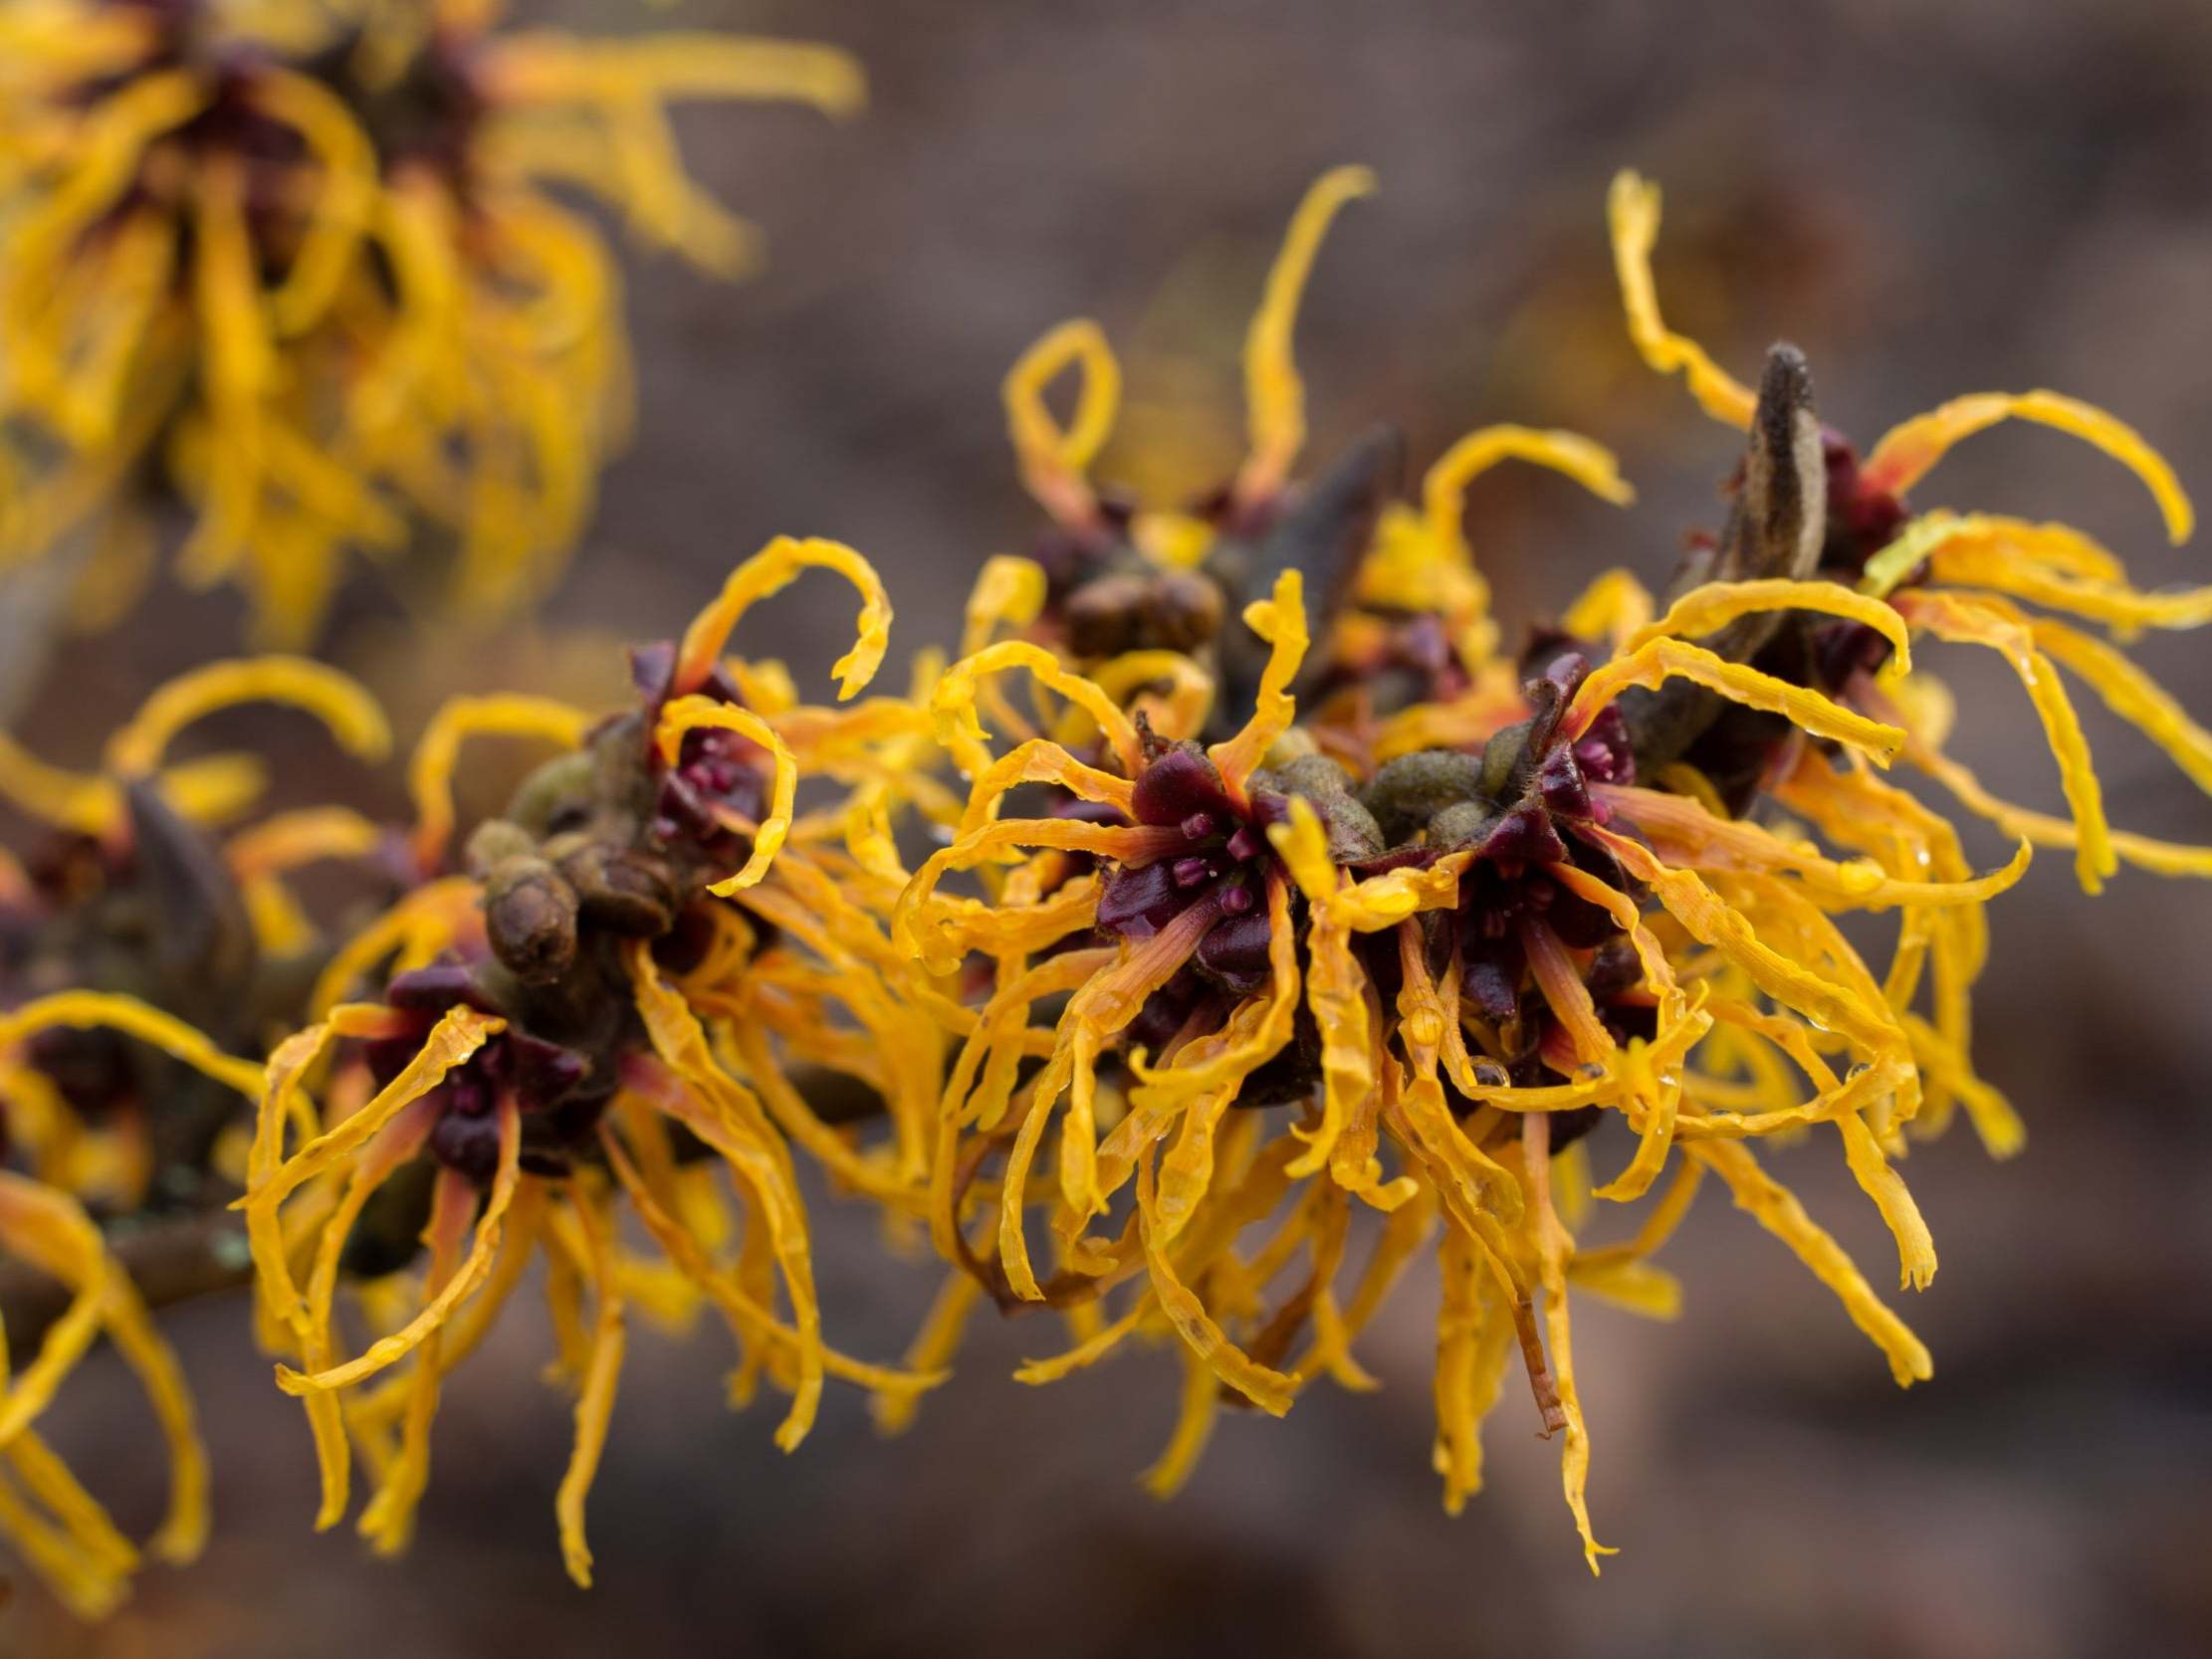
point(1452, 919)
point(303, 270)
point(1289, 923)
point(589, 1024)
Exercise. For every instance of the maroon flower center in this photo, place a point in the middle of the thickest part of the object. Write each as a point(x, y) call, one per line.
point(1215, 857)
point(558, 1089)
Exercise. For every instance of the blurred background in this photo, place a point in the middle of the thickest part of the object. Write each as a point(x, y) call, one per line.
point(1930, 199)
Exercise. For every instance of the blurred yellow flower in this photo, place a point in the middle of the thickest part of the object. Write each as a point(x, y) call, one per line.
point(304, 268)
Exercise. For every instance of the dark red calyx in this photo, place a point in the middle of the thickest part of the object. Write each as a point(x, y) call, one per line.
point(716, 774)
point(652, 670)
point(439, 987)
point(557, 1088)
point(1861, 518)
point(1182, 784)
point(1234, 951)
point(1220, 861)
point(1605, 753)
point(1842, 650)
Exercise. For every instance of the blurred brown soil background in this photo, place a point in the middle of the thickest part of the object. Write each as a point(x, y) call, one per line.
point(1930, 199)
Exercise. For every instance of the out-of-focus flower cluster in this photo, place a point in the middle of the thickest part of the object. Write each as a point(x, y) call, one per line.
point(1285, 927)
point(301, 266)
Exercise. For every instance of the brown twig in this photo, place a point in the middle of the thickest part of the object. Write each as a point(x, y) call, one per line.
point(170, 1260)
point(178, 1258)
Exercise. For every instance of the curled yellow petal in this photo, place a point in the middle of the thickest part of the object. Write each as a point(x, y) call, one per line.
point(336, 700)
point(2130, 694)
point(1633, 215)
point(595, 1399)
point(1776, 1208)
point(1193, 1426)
point(771, 571)
point(260, 855)
point(1054, 460)
point(1134, 679)
point(1708, 608)
point(1951, 616)
point(1264, 1386)
point(1687, 833)
point(960, 728)
point(463, 1284)
point(49, 1229)
point(1280, 620)
point(1553, 1248)
point(543, 66)
point(1907, 451)
point(134, 1018)
point(1906, 552)
point(1274, 395)
point(1613, 607)
point(692, 714)
point(1443, 492)
point(1008, 592)
point(1662, 659)
point(500, 714)
point(2159, 858)
point(695, 1089)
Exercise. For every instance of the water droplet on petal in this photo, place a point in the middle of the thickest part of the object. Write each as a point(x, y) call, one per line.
point(1862, 875)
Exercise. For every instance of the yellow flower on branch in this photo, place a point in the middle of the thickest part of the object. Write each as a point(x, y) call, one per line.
point(1223, 998)
point(598, 1024)
point(1971, 578)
